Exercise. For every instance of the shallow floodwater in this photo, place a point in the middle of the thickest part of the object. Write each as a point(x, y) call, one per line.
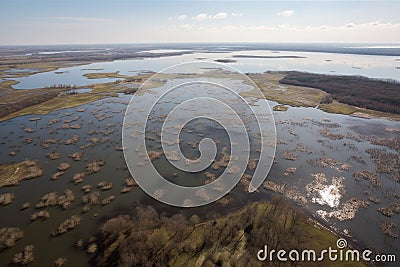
point(301, 127)
point(298, 127)
point(299, 131)
point(39, 233)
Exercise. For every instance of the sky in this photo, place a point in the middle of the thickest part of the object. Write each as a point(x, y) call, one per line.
point(29, 22)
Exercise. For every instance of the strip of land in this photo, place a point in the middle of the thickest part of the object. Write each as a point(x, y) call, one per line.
point(15, 103)
point(255, 56)
point(350, 95)
point(21, 62)
point(12, 174)
point(273, 88)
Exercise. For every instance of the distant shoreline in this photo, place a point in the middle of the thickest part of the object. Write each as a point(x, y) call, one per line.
point(374, 49)
point(255, 56)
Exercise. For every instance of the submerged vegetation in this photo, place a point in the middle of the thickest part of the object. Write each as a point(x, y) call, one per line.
point(9, 236)
point(68, 225)
point(80, 149)
point(24, 257)
point(12, 174)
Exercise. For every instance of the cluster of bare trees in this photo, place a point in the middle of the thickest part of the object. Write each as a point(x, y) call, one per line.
point(153, 239)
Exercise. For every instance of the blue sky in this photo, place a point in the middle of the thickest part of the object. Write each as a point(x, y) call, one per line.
point(124, 21)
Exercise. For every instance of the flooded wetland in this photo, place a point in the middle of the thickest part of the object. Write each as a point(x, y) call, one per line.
point(63, 174)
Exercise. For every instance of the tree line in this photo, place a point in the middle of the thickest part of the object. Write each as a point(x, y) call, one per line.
point(363, 92)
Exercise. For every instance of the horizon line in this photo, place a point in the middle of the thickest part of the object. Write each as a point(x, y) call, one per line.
point(205, 42)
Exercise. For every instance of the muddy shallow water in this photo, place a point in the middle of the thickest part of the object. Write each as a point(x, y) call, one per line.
point(298, 127)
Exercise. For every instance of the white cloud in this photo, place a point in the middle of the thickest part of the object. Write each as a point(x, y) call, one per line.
point(220, 15)
point(363, 27)
point(369, 25)
point(233, 14)
point(286, 13)
point(368, 32)
point(188, 27)
point(201, 17)
point(181, 17)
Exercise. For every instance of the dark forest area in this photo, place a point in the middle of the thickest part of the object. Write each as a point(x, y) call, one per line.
point(374, 94)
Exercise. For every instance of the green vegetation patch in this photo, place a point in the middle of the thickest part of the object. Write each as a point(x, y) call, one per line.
point(101, 75)
point(280, 108)
point(338, 108)
point(285, 94)
point(59, 102)
point(7, 84)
